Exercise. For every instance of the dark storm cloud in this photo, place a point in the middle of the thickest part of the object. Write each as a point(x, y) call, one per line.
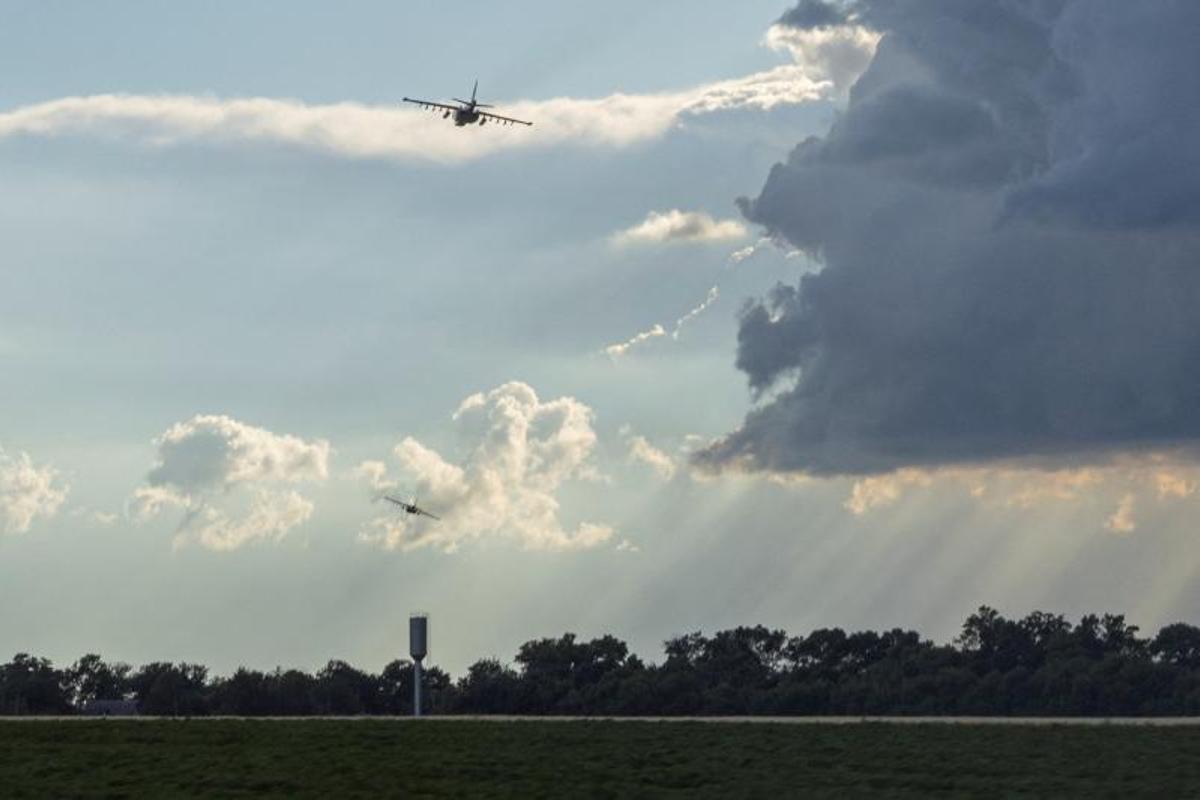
point(1127, 150)
point(1007, 217)
point(808, 14)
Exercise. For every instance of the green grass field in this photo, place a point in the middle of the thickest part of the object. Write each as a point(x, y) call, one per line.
point(327, 758)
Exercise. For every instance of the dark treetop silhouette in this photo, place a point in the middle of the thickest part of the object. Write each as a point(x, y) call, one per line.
point(1039, 665)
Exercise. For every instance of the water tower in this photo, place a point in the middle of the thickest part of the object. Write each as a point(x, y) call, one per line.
point(418, 648)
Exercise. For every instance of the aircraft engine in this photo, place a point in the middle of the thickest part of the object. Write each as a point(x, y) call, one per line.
point(446, 115)
point(482, 120)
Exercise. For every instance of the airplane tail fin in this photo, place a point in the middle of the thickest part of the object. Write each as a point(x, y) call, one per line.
point(474, 89)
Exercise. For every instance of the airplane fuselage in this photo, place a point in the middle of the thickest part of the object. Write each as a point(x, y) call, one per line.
point(466, 116)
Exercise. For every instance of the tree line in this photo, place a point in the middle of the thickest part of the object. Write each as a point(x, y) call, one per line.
point(1039, 665)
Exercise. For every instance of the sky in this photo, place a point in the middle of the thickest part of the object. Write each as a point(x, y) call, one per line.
point(825, 313)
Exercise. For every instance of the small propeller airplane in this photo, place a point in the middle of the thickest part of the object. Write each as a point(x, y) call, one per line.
point(410, 507)
point(467, 111)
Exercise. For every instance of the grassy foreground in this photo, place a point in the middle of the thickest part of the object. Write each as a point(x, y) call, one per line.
point(329, 758)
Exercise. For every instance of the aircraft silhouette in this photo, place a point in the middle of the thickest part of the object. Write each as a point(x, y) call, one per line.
point(467, 111)
point(410, 507)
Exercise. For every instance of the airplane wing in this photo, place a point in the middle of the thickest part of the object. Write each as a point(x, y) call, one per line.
point(505, 120)
point(429, 104)
point(425, 513)
point(391, 499)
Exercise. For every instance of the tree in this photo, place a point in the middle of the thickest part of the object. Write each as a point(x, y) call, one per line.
point(30, 685)
point(342, 689)
point(293, 693)
point(489, 687)
point(995, 643)
point(685, 650)
point(90, 678)
point(595, 659)
point(169, 689)
point(438, 689)
point(245, 693)
point(1177, 644)
point(396, 687)
point(821, 653)
point(1120, 637)
point(743, 657)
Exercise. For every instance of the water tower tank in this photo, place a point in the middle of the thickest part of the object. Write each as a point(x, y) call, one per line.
point(418, 636)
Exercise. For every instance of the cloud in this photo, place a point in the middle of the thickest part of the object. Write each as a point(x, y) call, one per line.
point(227, 478)
point(393, 132)
point(1008, 272)
point(1171, 483)
point(215, 453)
point(708, 300)
point(741, 254)
point(809, 14)
point(660, 227)
point(1157, 479)
point(103, 519)
point(523, 451)
point(615, 351)
point(1124, 151)
point(881, 490)
point(642, 452)
point(826, 43)
point(27, 492)
point(1122, 520)
point(621, 348)
point(270, 516)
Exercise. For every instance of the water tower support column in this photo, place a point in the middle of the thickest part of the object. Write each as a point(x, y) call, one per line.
point(417, 679)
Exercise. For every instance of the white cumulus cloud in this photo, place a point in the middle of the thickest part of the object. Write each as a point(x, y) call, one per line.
point(523, 450)
point(680, 226)
point(227, 478)
point(27, 491)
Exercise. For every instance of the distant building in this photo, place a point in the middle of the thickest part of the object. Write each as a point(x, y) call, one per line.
point(111, 708)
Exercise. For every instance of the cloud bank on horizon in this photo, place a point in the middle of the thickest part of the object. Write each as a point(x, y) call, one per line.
point(1139, 481)
point(1006, 217)
point(355, 130)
